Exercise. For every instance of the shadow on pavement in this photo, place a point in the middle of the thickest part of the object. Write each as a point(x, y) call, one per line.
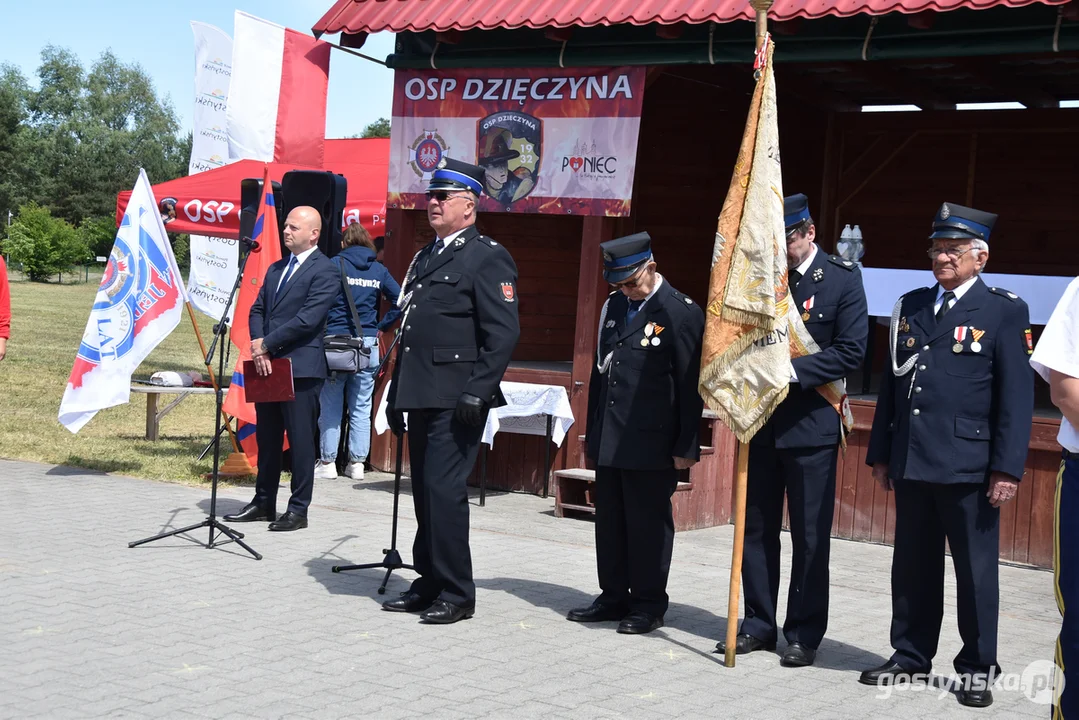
point(359, 583)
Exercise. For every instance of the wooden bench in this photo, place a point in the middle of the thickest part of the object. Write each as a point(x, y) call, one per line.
point(153, 415)
point(574, 491)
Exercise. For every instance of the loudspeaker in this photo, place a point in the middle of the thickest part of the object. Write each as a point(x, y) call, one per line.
point(250, 194)
point(323, 190)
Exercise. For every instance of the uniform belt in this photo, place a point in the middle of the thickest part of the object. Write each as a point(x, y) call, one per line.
point(1069, 455)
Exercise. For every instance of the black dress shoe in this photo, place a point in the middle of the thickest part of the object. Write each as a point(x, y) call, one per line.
point(442, 612)
point(745, 643)
point(639, 622)
point(597, 612)
point(408, 602)
point(289, 521)
point(251, 513)
point(888, 673)
point(798, 655)
point(975, 698)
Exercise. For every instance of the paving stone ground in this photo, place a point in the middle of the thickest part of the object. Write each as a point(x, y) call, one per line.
point(94, 629)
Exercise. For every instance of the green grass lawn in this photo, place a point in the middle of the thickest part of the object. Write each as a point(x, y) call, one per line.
point(48, 320)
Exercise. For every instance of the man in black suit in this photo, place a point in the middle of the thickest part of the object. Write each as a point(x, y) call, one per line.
point(458, 330)
point(795, 453)
point(644, 416)
point(950, 435)
point(287, 321)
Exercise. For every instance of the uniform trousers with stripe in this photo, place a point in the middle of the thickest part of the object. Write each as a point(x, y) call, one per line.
point(1066, 581)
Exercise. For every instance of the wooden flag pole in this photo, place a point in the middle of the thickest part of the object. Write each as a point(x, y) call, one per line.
point(741, 476)
point(209, 369)
point(736, 554)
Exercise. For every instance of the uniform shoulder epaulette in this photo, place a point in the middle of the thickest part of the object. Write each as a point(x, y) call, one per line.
point(682, 297)
point(1004, 293)
point(845, 264)
point(486, 241)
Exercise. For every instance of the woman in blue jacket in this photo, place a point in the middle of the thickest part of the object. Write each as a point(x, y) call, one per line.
point(367, 278)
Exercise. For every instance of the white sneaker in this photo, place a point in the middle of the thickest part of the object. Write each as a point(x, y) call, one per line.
point(326, 471)
point(354, 470)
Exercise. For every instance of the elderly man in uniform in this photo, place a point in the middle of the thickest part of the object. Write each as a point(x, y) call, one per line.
point(795, 452)
point(950, 436)
point(644, 415)
point(458, 331)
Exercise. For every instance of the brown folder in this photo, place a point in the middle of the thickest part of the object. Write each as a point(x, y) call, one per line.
point(275, 387)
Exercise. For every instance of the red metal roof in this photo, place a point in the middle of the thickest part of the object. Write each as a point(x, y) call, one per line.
point(416, 15)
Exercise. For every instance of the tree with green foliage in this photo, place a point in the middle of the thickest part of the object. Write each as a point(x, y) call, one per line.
point(79, 138)
point(378, 129)
point(98, 234)
point(44, 245)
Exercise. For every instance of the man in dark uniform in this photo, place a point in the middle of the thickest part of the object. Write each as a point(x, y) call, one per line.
point(458, 331)
point(795, 452)
point(644, 415)
point(950, 436)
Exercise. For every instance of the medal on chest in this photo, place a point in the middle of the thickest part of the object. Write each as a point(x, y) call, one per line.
point(651, 335)
point(960, 334)
point(807, 306)
point(976, 334)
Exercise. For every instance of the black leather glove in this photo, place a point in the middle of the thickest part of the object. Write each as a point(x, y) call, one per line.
point(469, 410)
point(396, 420)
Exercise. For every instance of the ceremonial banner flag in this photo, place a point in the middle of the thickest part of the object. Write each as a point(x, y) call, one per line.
point(213, 259)
point(277, 100)
point(752, 327)
point(551, 140)
point(266, 234)
point(138, 303)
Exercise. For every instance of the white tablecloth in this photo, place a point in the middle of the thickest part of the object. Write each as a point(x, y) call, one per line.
point(883, 286)
point(525, 412)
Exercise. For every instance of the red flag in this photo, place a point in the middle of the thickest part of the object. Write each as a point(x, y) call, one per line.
point(268, 237)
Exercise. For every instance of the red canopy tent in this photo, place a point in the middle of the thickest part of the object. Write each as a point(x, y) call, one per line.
point(209, 203)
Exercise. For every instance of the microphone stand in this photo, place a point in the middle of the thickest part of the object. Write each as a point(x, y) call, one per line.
point(217, 529)
point(392, 560)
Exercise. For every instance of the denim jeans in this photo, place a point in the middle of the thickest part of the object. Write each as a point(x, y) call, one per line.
point(355, 390)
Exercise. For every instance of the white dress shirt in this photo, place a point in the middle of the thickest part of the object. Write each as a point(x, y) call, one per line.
point(1058, 349)
point(959, 292)
point(445, 242)
point(802, 269)
point(295, 268)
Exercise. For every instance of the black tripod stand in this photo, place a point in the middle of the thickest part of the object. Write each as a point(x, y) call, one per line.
point(217, 529)
point(392, 561)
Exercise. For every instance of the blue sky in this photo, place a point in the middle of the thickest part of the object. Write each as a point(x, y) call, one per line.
point(157, 36)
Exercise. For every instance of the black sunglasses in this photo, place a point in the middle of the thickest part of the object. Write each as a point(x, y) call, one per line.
point(442, 195)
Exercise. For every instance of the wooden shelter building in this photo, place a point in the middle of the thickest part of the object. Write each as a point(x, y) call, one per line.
point(887, 172)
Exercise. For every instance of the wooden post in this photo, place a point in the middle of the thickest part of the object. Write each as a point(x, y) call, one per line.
point(761, 8)
point(591, 292)
point(736, 555)
point(400, 248)
point(210, 370)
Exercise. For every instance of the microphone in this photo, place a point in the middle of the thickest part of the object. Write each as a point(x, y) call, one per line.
point(251, 245)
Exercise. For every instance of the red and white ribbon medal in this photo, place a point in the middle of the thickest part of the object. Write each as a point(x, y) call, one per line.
point(960, 334)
